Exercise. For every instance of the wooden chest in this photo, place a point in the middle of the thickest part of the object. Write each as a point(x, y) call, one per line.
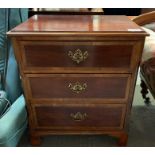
point(78, 73)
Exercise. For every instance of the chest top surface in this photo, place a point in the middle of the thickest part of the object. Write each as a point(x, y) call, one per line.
point(77, 24)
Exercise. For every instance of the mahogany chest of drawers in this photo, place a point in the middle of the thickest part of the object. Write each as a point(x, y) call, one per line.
point(78, 73)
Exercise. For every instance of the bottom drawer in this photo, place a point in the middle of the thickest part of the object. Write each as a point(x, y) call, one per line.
point(80, 116)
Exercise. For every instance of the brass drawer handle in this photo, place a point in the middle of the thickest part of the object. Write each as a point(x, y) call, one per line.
point(78, 56)
point(77, 87)
point(78, 116)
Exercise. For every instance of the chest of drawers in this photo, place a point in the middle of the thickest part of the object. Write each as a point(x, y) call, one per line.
point(78, 73)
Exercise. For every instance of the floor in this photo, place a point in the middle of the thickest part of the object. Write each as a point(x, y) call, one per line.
point(141, 130)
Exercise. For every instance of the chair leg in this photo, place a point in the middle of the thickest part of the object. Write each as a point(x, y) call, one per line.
point(144, 92)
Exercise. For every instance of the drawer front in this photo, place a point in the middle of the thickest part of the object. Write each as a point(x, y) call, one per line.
point(78, 86)
point(79, 116)
point(111, 55)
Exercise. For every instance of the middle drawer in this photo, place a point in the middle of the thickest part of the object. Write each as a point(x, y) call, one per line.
point(78, 86)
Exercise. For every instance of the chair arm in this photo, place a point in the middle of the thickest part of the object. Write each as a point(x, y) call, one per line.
point(145, 18)
point(14, 118)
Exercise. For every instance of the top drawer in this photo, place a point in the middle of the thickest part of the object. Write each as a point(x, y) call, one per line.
point(105, 56)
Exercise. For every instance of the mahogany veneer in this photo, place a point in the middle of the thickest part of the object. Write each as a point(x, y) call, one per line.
point(104, 86)
point(78, 73)
point(97, 117)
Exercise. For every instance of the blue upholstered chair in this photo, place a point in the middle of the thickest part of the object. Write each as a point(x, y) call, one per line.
point(13, 121)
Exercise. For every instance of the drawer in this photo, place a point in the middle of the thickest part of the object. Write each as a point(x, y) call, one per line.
point(78, 86)
point(79, 116)
point(54, 57)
